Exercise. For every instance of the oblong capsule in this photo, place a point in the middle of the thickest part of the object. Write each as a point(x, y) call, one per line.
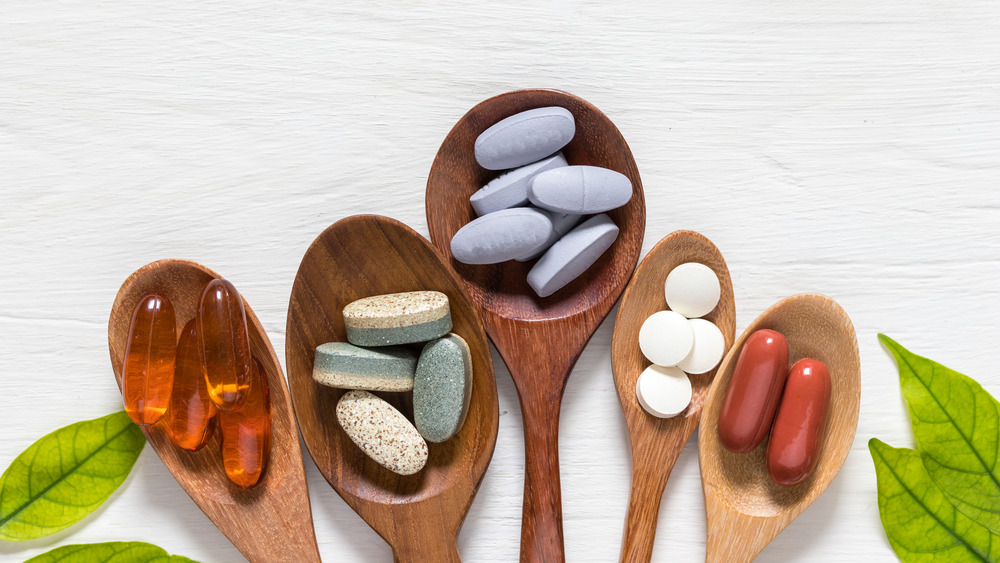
point(225, 344)
point(190, 419)
point(148, 370)
point(799, 426)
point(246, 433)
point(754, 390)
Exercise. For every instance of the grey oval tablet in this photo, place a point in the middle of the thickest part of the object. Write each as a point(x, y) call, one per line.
point(580, 189)
point(572, 255)
point(561, 224)
point(511, 189)
point(503, 235)
point(346, 366)
point(525, 137)
point(442, 388)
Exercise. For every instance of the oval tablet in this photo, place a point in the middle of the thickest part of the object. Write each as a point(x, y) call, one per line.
point(663, 392)
point(397, 318)
point(666, 338)
point(500, 236)
point(511, 189)
point(382, 432)
point(692, 289)
point(572, 255)
point(525, 137)
point(753, 392)
point(580, 189)
point(708, 348)
point(442, 388)
point(346, 366)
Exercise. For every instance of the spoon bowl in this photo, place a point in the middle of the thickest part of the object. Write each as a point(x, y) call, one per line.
point(539, 339)
point(271, 521)
point(657, 442)
point(744, 507)
point(419, 515)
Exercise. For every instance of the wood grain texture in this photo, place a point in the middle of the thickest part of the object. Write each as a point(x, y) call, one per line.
point(746, 509)
point(539, 339)
point(271, 521)
point(657, 442)
point(847, 148)
point(419, 515)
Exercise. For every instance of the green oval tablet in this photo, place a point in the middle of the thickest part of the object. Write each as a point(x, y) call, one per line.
point(442, 388)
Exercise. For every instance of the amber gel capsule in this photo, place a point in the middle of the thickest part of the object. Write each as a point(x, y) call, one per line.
point(148, 373)
point(190, 419)
point(246, 434)
point(225, 344)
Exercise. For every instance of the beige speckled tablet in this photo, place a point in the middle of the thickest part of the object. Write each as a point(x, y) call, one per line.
point(397, 318)
point(382, 432)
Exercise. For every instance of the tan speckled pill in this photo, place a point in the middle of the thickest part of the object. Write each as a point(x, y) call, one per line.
point(382, 432)
point(397, 318)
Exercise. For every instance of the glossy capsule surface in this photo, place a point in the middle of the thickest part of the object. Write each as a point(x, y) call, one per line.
point(799, 426)
point(246, 434)
point(190, 419)
point(754, 391)
point(225, 344)
point(148, 370)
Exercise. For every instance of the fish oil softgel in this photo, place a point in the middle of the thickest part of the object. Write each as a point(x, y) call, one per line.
point(246, 433)
point(225, 344)
point(148, 369)
point(190, 419)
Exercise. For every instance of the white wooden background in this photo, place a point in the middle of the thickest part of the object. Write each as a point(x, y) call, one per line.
point(848, 147)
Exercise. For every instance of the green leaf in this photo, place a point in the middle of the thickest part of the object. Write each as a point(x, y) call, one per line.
point(66, 475)
point(111, 552)
point(919, 521)
point(956, 425)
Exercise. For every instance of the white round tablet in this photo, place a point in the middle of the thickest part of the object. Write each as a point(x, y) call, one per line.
point(692, 289)
point(709, 346)
point(665, 338)
point(663, 391)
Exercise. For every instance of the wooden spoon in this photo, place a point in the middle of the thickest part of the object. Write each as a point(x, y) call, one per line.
point(271, 521)
point(539, 339)
point(656, 442)
point(418, 515)
point(745, 509)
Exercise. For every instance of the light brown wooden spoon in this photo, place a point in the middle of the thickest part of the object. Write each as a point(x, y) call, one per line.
point(273, 520)
point(418, 515)
point(539, 339)
point(656, 442)
point(745, 509)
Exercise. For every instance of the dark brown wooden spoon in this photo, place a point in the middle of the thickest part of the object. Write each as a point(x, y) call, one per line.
point(539, 339)
point(418, 515)
point(744, 507)
point(271, 521)
point(656, 442)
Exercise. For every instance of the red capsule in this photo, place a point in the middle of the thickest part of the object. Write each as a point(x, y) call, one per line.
point(225, 344)
point(797, 434)
point(246, 434)
point(754, 391)
point(190, 419)
point(148, 370)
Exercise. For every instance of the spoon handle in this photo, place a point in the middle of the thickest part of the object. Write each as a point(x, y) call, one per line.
point(654, 453)
point(431, 548)
point(648, 482)
point(541, 513)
